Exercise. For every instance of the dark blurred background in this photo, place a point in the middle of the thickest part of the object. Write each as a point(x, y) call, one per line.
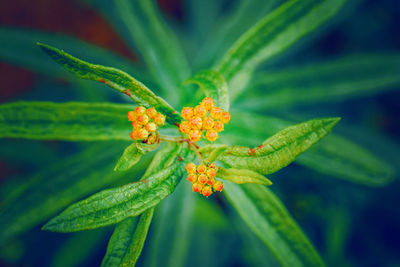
point(363, 223)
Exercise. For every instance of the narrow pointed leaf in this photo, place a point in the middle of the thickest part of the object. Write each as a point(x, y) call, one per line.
point(131, 155)
point(213, 85)
point(75, 121)
point(116, 79)
point(114, 205)
point(127, 241)
point(273, 34)
point(333, 81)
point(267, 217)
point(279, 150)
point(334, 155)
point(58, 186)
point(242, 176)
point(214, 154)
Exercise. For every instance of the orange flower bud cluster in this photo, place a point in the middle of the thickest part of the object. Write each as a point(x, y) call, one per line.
point(202, 178)
point(145, 123)
point(197, 121)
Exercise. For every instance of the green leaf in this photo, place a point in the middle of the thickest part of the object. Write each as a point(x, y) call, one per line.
point(18, 47)
point(334, 155)
point(279, 150)
point(127, 241)
point(132, 154)
point(276, 32)
point(270, 221)
point(74, 121)
point(333, 81)
point(116, 79)
point(242, 176)
point(58, 186)
point(214, 154)
point(213, 85)
point(114, 205)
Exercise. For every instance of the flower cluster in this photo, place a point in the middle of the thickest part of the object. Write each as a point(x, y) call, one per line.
point(145, 123)
point(202, 178)
point(197, 121)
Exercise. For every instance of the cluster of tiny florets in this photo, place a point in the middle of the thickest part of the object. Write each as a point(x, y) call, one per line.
point(202, 178)
point(197, 121)
point(145, 123)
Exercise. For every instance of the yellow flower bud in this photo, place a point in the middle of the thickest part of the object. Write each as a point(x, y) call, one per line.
point(142, 134)
point(201, 168)
point(191, 167)
point(206, 191)
point(225, 117)
point(211, 135)
point(187, 113)
point(142, 119)
point(151, 112)
point(194, 135)
point(211, 173)
point(202, 178)
point(196, 123)
point(185, 127)
point(159, 119)
point(218, 126)
point(192, 177)
point(151, 127)
point(218, 186)
point(131, 115)
point(208, 103)
point(208, 123)
point(200, 111)
point(140, 110)
point(196, 187)
point(216, 112)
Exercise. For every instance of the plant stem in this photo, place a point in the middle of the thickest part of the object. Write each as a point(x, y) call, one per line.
point(180, 139)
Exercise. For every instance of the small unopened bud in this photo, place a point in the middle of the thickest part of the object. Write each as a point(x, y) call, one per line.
point(133, 134)
point(225, 117)
point(201, 168)
point(208, 123)
point(136, 124)
point(185, 127)
point(206, 191)
point(131, 115)
point(200, 111)
point(218, 126)
point(151, 127)
point(216, 112)
point(159, 119)
point(208, 103)
point(187, 113)
point(196, 123)
point(211, 173)
point(202, 178)
point(142, 134)
point(192, 177)
point(218, 186)
point(142, 119)
point(151, 112)
point(140, 110)
point(211, 135)
point(211, 181)
point(194, 135)
point(196, 187)
point(191, 167)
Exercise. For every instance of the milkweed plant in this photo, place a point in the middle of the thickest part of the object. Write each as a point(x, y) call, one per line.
point(196, 127)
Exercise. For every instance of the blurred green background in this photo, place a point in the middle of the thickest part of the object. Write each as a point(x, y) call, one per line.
point(350, 224)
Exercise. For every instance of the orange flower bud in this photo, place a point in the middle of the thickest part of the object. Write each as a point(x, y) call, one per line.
point(211, 173)
point(131, 115)
point(211, 135)
point(152, 139)
point(196, 187)
point(218, 126)
point(208, 123)
point(191, 167)
point(194, 135)
point(201, 168)
point(200, 111)
point(142, 134)
point(206, 191)
point(187, 113)
point(136, 124)
point(225, 117)
point(196, 123)
point(218, 186)
point(151, 112)
point(151, 127)
point(211, 181)
point(133, 135)
point(159, 119)
point(140, 110)
point(142, 119)
point(216, 112)
point(202, 178)
point(192, 177)
point(185, 127)
point(208, 103)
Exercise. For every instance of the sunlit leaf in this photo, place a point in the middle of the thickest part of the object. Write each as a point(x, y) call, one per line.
point(131, 155)
point(273, 34)
point(114, 205)
point(279, 150)
point(270, 221)
point(213, 85)
point(116, 79)
point(242, 176)
point(75, 121)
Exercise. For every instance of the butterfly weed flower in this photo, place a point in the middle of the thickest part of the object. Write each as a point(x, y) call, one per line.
point(145, 123)
point(202, 178)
